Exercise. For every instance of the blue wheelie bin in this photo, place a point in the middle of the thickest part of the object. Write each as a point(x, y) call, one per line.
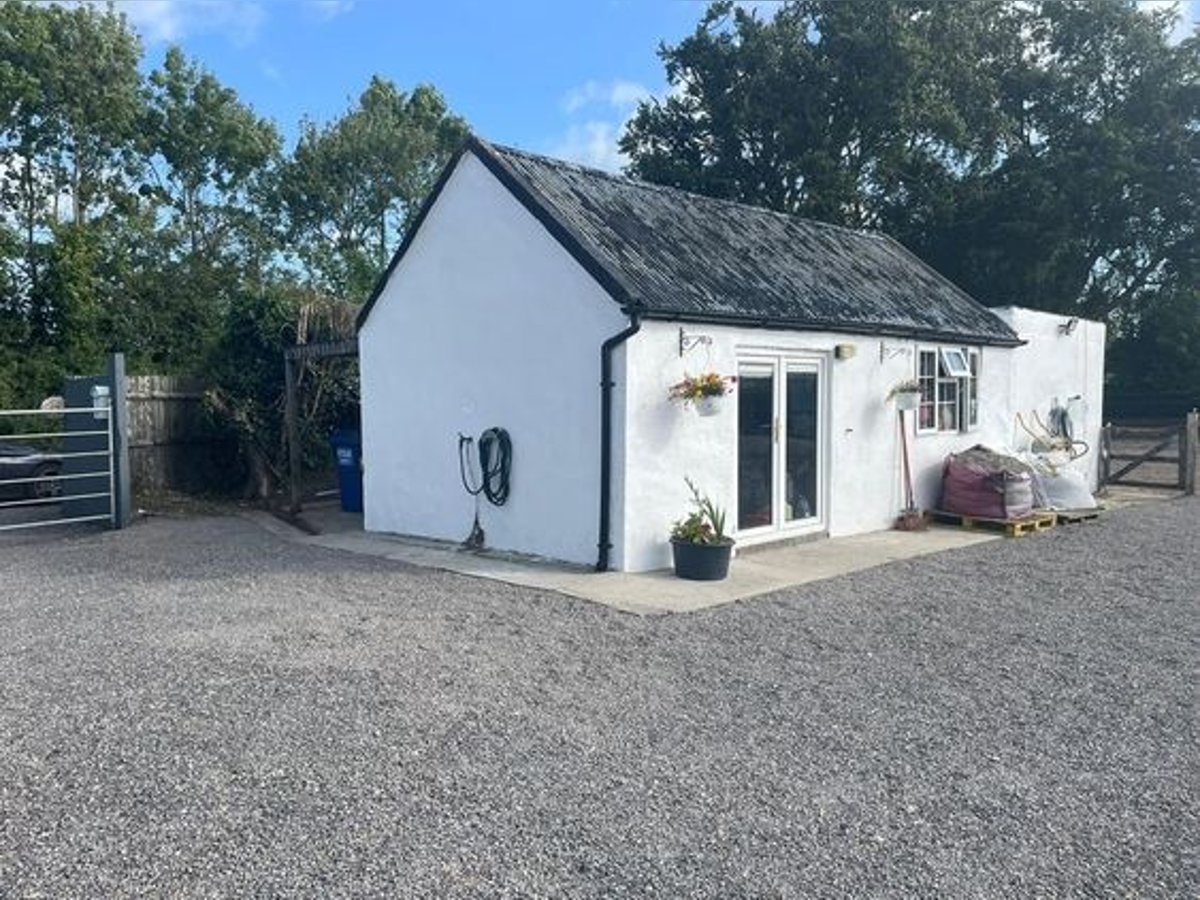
point(347, 450)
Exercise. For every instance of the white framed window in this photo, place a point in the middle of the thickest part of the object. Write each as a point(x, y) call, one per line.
point(971, 394)
point(949, 380)
point(954, 362)
point(927, 378)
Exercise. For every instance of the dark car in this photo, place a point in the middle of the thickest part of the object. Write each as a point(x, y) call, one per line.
point(22, 461)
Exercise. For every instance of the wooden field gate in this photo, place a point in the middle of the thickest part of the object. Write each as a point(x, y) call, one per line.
point(1151, 456)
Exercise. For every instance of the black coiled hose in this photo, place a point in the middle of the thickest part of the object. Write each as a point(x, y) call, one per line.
point(495, 465)
point(495, 461)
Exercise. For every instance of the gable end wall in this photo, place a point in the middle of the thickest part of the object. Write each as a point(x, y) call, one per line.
point(486, 321)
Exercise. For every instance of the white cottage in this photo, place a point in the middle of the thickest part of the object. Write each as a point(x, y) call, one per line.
point(561, 303)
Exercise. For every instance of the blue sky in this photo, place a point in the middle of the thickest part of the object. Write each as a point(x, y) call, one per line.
point(557, 77)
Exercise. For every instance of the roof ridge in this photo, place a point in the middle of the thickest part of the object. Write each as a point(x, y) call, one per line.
point(642, 184)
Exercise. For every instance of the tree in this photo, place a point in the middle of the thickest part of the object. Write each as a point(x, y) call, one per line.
point(1094, 210)
point(68, 110)
point(247, 368)
point(1161, 350)
point(352, 187)
point(69, 104)
point(828, 109)
point(156, 215)
point(208, 151)
point(1046, 153)
point(210, 158)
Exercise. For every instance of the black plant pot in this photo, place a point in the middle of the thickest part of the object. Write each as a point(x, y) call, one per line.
point(701, 562)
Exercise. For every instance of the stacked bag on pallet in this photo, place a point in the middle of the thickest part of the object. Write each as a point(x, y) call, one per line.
point(985, 484)
point(1056, 485)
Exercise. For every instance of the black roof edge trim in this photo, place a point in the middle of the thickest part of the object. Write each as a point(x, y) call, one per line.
point(567, 237)
point(434, 193)
point(865, 329)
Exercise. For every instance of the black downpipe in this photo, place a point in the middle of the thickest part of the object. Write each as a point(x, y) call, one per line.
point(606, 385)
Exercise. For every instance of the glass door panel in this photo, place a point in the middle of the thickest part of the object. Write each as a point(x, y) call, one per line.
point(801, 459)
point(756, 458)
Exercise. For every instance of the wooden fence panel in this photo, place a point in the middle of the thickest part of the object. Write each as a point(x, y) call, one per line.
point(171, 443)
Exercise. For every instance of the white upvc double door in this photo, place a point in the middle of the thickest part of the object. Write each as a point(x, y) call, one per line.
point(781, 463)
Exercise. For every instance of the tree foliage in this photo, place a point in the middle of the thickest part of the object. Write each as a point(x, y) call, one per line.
point(159, 214)
point(207, 153)
point(1042, 153)
point(68, 115)
point(352, 186)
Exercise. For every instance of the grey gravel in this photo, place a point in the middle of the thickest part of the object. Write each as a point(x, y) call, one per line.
point(196, 708)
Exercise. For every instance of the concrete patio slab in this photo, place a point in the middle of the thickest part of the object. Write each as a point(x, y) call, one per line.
point(758, 570)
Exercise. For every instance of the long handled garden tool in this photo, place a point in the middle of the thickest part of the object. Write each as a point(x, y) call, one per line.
point(910, 518)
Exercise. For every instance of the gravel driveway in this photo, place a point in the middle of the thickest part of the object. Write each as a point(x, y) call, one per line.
point(196, 708)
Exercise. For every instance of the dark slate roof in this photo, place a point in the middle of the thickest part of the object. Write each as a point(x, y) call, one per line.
point(670, 254)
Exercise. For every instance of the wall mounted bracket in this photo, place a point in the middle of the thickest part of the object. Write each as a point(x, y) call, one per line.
point(688, 341)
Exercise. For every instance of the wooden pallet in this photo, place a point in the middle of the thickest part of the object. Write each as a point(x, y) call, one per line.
point(1074, 516)
point(1039, 520)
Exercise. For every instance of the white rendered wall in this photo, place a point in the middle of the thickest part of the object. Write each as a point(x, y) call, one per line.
point(667, 441)
point(1056, 365)
point(486, 321)
point(865, 486)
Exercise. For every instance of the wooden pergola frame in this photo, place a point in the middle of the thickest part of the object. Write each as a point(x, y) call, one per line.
point(292, 356)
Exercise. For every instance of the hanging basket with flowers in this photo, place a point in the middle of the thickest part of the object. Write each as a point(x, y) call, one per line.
point(703, 391)
point(906, 394)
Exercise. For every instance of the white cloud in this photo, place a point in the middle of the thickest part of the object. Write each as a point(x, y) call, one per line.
point(154, 20)
point(592, 143)
point(270, 71)
point(325, 10)
point(161, 21)
point(597, 112)
point(619, 94)
point(1188, 15)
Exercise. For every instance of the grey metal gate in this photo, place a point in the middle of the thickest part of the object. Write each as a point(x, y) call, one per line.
point(65, 465)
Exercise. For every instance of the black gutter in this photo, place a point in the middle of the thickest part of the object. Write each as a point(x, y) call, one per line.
point(604, 544)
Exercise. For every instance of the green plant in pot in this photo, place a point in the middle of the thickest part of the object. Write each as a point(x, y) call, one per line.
point(699, 545)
